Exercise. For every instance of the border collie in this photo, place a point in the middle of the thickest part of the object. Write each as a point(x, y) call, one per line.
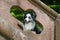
point(29, 22)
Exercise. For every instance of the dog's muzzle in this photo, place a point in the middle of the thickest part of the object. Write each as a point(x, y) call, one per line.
point(26, 21)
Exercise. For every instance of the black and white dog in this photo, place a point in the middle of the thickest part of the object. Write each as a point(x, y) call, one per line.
point(29, 22)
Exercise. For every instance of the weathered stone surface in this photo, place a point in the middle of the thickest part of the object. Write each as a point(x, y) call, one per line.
point(57, 36)
point(42, 17)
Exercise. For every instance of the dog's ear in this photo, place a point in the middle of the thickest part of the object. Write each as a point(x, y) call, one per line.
point(31, 12)
point(24, 14)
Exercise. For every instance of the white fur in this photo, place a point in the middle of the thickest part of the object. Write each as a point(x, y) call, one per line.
point(27, 18)
point(28, 14)
point(29, 26)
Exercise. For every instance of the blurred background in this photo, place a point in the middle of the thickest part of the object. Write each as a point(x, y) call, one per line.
point(54, 4)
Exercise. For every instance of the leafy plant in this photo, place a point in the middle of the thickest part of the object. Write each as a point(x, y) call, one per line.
point(54, 4)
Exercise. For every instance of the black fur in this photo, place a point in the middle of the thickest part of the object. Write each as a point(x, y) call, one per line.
point(36, 30)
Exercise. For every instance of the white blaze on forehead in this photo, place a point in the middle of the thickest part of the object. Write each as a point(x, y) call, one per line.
point(28, 15)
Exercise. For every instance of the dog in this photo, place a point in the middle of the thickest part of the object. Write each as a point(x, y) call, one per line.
point(29, 22)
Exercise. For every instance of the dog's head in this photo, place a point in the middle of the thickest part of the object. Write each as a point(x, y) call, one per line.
point(29, 16)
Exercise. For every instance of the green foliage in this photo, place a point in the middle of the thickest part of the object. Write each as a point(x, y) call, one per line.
point(39, 26)
point(54, 4)
point(17, 13)
point(55, 7)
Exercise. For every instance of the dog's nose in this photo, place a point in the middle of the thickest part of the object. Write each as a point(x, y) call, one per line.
point(26, 19)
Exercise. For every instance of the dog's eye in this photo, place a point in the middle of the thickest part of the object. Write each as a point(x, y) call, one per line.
point(25, 16)
point(29, 17)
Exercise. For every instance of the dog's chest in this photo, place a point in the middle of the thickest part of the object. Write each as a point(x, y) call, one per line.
point(29, 26)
